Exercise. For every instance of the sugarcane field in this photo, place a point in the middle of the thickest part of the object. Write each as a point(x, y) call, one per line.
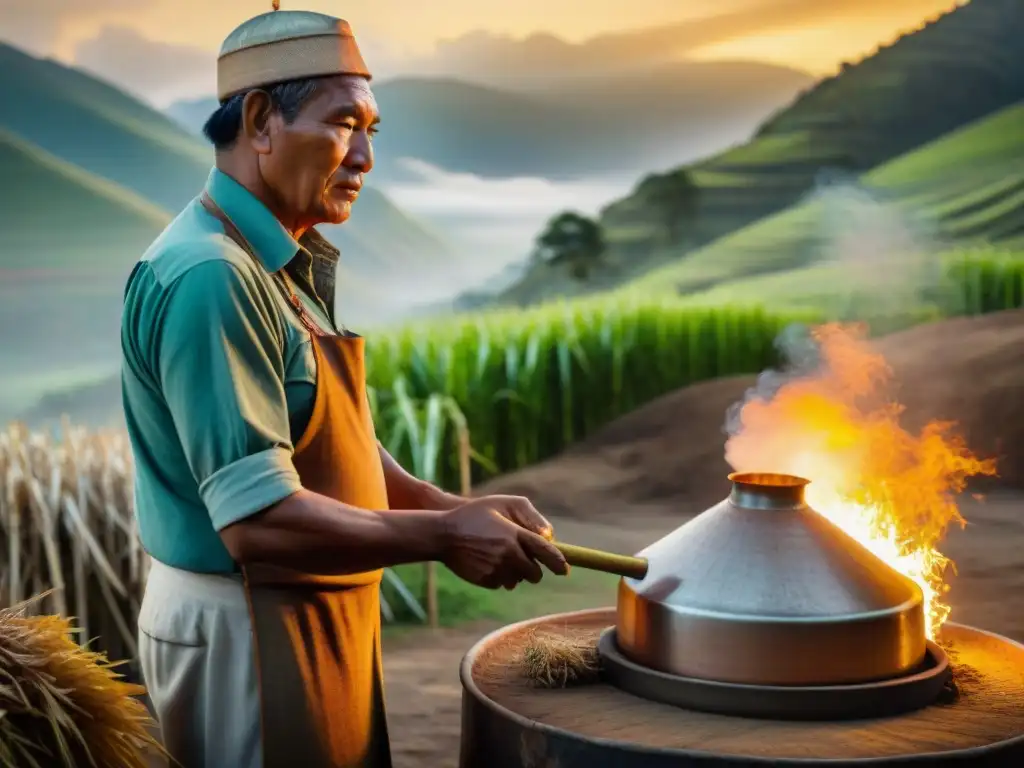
point(373, 394)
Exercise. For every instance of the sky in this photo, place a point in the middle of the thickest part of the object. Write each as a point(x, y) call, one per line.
point(165, 49)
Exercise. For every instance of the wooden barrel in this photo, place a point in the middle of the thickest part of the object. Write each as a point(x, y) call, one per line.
point(507, 722)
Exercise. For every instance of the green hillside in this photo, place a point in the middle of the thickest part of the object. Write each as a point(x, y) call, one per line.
point(91, 124)
point(68, 240)
point(92, 176)
point(964, 190)
point(65, 221)
point(560, 128)
point(959, 68)
point(118, 138)
point(56, 216)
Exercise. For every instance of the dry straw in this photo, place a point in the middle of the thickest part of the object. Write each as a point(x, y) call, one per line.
point(67, 530)
point(62, 705)
point(553, 660)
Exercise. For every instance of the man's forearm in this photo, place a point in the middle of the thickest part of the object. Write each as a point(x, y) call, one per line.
point(315, 534)
point(408, 492)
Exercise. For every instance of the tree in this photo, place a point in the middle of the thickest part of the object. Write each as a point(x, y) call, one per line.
point(674, 198)
point(573, 240)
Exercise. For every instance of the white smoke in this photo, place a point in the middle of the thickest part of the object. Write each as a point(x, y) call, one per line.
point(800, 359)
point(885, 258)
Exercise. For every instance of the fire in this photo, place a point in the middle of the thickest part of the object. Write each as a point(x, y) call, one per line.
point(891, 490)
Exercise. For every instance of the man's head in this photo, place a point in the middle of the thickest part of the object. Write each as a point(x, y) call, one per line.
point(297, 115)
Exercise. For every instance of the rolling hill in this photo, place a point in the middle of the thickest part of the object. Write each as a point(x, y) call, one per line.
point(561, 128)
point(116, 137)
point(956, 69)
point(51, 190)
point(861, 237)
point(67, 242)
point(113, 136)
point(92, 176)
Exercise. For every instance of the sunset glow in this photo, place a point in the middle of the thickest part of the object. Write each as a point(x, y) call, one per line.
point(813, 36)
point(822, 48)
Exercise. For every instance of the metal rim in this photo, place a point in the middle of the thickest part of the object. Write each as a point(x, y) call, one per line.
point(767, 490)
point(780, 702)
point(470, 686)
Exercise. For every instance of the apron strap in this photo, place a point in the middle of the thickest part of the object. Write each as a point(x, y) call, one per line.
point(236, 235)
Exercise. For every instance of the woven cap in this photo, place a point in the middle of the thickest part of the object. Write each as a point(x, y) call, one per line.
point(286, 45)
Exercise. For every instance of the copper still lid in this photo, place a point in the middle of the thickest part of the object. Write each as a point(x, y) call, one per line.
point(761, 589)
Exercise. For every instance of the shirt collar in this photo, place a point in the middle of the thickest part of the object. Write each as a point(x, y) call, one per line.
point(319, 246)
point(272, 243)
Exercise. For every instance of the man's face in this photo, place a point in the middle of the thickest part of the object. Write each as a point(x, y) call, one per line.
point(315, 164)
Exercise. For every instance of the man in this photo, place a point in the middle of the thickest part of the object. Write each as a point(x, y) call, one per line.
point(266, 502)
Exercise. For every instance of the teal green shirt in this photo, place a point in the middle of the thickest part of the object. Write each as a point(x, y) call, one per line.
point(218, 375)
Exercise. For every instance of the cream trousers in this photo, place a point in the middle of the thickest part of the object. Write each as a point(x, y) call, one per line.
point(196, 652)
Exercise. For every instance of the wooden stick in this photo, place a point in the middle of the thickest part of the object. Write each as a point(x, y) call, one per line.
point(606, 562)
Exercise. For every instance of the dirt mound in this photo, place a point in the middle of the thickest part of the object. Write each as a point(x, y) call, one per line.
point(667, 457)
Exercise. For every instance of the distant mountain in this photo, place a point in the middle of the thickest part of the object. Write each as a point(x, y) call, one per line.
point(618, 121)
point(958, 68)
point(119, 138)
point(92, 176)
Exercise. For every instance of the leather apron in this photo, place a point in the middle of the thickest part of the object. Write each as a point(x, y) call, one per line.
point(317, 638)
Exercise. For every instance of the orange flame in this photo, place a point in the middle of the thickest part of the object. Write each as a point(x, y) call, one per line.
point(891, 490)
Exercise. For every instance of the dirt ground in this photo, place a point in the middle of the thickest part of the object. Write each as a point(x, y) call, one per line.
point(647, 473)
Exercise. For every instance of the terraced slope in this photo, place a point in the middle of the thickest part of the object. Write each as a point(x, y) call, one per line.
point(959, 68)
point(961, 191)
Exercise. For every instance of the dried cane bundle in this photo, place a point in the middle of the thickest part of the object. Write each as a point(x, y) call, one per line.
point(63, 706)
point(558, 660)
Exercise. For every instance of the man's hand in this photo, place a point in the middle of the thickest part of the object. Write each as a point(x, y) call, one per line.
point(520, 511)
point(485, 547)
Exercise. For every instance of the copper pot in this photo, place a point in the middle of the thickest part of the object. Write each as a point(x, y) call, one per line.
point(763, 590)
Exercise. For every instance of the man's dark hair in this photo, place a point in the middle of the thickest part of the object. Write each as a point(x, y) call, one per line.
point(223, 126)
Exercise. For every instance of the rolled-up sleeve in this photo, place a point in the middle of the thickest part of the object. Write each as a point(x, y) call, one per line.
point(221, 369)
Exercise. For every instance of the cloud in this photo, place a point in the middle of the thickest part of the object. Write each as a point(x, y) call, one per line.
point(496, 217)
point(36, 24)
point(158, 72)
point(57, 26)
point(435, 191)
point(493, 57)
